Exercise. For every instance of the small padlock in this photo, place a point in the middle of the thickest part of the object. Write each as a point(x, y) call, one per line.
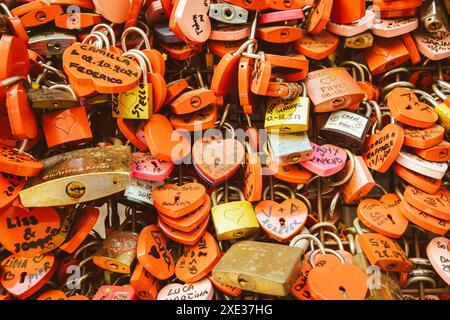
point(360, 41)
point(347, 11)
point(289, 148)
point(51, 43)
point(390, 28)
point(232, 220)
point(347, 129)
point(360, 183)
point(249, 265)
point(144, 284)
point(357, 27)
point(433, 17)
point(228, 13)
point(288, 116)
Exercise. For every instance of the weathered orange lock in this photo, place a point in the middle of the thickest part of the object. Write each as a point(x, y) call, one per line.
point(199, 120)
point(396, 9)
point(333, 89)
point(360, 183)
point(182, 51)
point(438, 153)
point(424, 183)
point(21, 118)
point(319, 16)
point(318, 46)
point(14, 55)
point(174, 88)
point(41, 16)
point(221, 48)
point(66, 126)
point(386, 54)
point(423, 138)
point(81, 20)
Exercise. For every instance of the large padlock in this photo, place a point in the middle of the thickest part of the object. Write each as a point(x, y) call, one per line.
point(251, 266)
point(333, 89)
point(360, 184)
point(288, 116)
point(79, 176)
point(235, 219)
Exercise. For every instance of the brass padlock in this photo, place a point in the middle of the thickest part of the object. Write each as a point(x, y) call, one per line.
point(347, 129)
point(235, 219)
point(434, 18)
point(288, 116)
point(289, 148)
point(360, 41)
point(53, 98)
point(260, 267)
point(79, 176)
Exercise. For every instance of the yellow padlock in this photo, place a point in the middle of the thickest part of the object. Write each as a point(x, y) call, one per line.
point(288, 116)
point(442, 109)
point(234, 219)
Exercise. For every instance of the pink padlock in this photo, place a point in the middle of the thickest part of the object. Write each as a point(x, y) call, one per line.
point(147, 167)
point(230, 33)
point(279, 16)
point(350, 30)
point(433, 49)
point(389, 28)
point(439, 255)
point(326, 160)
point(200, 290)
point(113, 10)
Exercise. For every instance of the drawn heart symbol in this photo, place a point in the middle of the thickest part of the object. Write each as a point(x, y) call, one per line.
point(201, 290)
point(383, 217)
point(127, 99)
point(234, 214)
point(438, 251)
point(326, 160)
point(65, 124)
point(22, 277)
point(113, 10)
point(382, 148)
point(217, 160)
point(177, 201)
point(328, 80)
point(344, 282)
point(282, 221)
point(201, 257)
point(153, 254)
point(28, 233)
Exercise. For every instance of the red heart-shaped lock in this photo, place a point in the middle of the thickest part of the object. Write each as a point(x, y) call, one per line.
point(383, 216)
point(282, 221)
point(382, 148)
point(22, 277)
point(436, 205)
point(28, 233)
point(198, 260)
point(216, 160)
point(153, 254)
point(177, 201)
point(344, 282)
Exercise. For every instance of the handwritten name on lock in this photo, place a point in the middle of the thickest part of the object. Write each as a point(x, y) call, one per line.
point(106, 71)
point(133, 104)
point(350, 123)
point(29, 233)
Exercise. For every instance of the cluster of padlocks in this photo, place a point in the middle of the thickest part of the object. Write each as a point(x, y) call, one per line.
point(224, 150)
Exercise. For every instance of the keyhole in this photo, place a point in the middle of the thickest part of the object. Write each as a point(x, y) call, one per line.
point(282, 222)
point(242, 282)
point(390, 218)
point(288, 3)
point(154, 163)
point(216, 161)
point(177, 198)
point(343, 292)
point(41, 16)
point(22, 276)
point(202, 254)
point(284, 34)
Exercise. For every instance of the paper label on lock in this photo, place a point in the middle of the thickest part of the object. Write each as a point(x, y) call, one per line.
point(141, 190)
point(287, 116)
point(348, 122)
point(133, 104)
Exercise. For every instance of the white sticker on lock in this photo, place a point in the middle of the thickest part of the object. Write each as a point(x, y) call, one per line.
point(141, 190)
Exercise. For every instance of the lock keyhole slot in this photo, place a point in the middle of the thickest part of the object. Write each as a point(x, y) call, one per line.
point(229, 13)
point(390, 218)
point(343, 292)
point(282, 222)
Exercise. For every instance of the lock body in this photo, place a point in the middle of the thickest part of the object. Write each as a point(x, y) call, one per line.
point(51, 43)
point(234, 220)
point(289, 147)
point(434, 18)
point(287, 116)
point(346, 129)
point(228, 13)
point(360, 183)
point(259, 267)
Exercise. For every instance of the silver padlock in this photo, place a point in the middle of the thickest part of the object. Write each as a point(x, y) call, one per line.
point(434, 18)
point(51, 43)
point(289, 148)
point(228, 13)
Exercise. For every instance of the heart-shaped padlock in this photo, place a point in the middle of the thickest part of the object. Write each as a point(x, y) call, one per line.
point(436, 205)
point(438, 251)
point(153, 254)
point(198, 260)
point(326, 161)
point(200, 290)
point(147, 167)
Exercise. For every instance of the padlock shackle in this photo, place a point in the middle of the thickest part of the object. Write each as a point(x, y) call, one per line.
point(354, 66)
point(305, 236)
point(6, 9)
point(347, 177)
point(108, 29)
point(138, 31)
point(105, 40)
point(316, 252)
point(218, 194)
point(144, 56)
point(280, 187)
point(98, 43)
point(331, 234)
point(141, 61)
point(65, 88)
